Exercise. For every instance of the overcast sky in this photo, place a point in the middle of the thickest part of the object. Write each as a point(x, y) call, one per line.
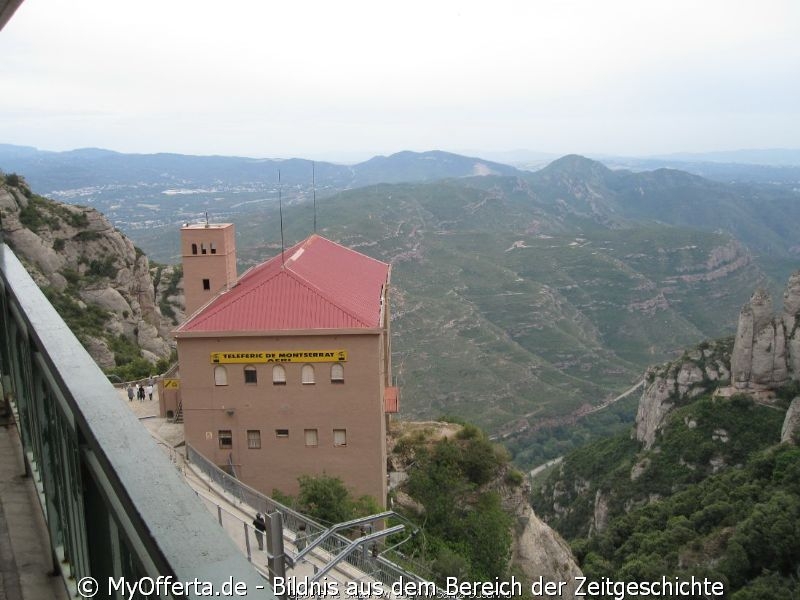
point(344, 79)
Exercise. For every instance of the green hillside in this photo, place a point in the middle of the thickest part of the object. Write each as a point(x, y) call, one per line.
point(533, 295)
point(503, 311)
point(716, 498)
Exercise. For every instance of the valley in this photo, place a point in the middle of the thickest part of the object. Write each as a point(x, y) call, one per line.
point(518, 297)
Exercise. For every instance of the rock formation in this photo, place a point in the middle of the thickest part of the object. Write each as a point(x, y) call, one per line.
point(537, 550)
point(669, 384)
point(82, 262)
point(790, 432)
point(766, 352)
point(765, 356)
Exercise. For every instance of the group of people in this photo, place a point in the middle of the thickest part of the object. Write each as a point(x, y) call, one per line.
point(140, 391)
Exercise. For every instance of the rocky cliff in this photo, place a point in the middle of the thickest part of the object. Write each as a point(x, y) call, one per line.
point(666, 386)
point(100, 283)
point(766, 353)
point(536, 549)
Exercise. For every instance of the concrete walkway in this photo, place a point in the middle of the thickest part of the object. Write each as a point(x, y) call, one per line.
point(26, 569)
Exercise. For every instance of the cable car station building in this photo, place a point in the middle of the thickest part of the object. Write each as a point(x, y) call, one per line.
point(286, 370)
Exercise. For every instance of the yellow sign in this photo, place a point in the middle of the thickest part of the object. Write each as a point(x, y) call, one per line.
point(172, 384)
point(281, 356)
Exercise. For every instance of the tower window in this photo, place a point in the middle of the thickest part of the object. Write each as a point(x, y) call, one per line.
point(307, 374)
point(194, 248)
point(337, 373)
point(278, 375)
point(281, 433)
point(202, 248)
point(220, 375)
point(206, 284)
point(250, 374)
point(213, 248)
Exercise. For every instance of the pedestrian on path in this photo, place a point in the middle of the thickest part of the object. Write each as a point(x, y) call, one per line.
point(130, 393)
point(261, 526)
point(300, 538)
point(149, 390)
point(140, 392)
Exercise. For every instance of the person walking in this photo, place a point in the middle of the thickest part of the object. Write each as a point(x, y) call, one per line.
point(140, 392)
point(130, 393)
point(149, 390)
point(260, 525)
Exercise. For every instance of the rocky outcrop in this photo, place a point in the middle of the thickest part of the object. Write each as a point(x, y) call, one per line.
point(92, 272)
point(766, 352)
point(539, 551)
point(168, 281)
point(667, 385)
point(790, 432)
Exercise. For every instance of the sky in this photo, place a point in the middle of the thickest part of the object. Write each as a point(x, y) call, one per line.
point(348, 79)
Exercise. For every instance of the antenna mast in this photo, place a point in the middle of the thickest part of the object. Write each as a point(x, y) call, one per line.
point(314, 189)
point(280, 212)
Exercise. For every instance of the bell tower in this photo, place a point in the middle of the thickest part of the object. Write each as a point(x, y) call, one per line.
point(209, 261)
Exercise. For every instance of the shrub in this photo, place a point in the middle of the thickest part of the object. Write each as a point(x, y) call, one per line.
point(103, 268)
point(78, 219)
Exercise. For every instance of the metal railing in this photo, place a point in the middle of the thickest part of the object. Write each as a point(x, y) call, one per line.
point(114, 504)
point(306, 530)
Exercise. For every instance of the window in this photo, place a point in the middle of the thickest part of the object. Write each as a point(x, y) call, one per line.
point(340, 437)
point(250, 374)
point(312, 439)
point(206, 284)
point(337, 373)
point(225, 438)
point(220, 375)
point(254, 439)
point(308, 374)
point(278, 375)
point(202, 248)
point(281, 433)
point(213, 248)
point(194, 248)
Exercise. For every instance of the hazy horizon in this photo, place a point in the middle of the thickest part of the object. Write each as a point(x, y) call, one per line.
point(347, 81)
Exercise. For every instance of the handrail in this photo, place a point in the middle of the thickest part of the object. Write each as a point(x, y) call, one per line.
point(384, 569)
point(103, 483)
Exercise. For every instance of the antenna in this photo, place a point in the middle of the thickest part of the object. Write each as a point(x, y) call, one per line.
point(206, 219)
point(280, 212)
point(314, 190)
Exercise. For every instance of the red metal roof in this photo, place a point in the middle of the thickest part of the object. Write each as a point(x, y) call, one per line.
point(321, 285)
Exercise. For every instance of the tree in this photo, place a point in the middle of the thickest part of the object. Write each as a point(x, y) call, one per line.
point(327, 500)
point(324, 498)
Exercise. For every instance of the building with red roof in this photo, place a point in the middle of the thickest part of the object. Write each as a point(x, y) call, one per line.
point(286, 370)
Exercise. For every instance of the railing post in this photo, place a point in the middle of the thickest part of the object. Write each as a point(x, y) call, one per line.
point(247, 542)
point(276, 561)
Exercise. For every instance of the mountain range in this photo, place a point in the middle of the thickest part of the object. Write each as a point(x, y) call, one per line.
point(518, 296)
point(50, 172)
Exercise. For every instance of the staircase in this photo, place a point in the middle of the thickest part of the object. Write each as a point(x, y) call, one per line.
point(178, 418)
